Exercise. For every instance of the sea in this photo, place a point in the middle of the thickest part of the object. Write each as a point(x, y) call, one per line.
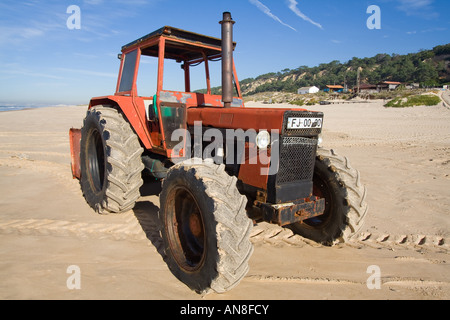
point(15, 108)
point(19, 107)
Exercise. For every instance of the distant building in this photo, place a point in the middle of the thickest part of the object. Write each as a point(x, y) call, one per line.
point(306, 90)
point(388, 85)
point(334, 88)
point(412, 86)
point(367, 88)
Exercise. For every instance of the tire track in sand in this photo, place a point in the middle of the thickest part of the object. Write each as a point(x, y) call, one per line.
point(138, 225)
point(60, 172)
point(276, 235)
point(413, 283)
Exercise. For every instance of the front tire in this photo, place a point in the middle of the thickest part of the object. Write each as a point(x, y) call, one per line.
point(110, 161)
point(205, 228)
point(345, 201)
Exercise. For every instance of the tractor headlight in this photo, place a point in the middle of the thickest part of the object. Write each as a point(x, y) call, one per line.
point(319, 140)
point(263, 139)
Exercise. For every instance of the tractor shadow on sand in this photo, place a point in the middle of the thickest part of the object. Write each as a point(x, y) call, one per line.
point(146, 213)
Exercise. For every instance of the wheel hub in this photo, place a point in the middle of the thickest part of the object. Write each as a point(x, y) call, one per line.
point(195, 225)
point(186, 231)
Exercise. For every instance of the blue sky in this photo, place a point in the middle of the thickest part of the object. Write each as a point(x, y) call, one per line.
point(43, 62)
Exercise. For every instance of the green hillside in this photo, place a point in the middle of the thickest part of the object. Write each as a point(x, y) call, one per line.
point(427, 67)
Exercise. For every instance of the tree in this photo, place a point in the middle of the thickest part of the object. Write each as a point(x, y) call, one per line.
point(405, 70)
point(441, 50)
point(426, 72)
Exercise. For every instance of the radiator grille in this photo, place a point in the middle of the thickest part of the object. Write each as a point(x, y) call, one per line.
point(297, 159)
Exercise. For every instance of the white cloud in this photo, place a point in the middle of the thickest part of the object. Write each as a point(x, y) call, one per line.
point(88, 72)
point(417, 7)
point(269, 13)
point(93, 2)
point(16, 35)
point(29, 73)
point(293, 6)
point(414, 4)
point(124, 2)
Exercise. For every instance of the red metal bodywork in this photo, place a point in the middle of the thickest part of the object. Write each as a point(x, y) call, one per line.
point(245, 119)
point(74, 138)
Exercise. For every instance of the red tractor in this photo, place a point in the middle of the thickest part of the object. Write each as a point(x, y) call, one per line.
point(223, 166)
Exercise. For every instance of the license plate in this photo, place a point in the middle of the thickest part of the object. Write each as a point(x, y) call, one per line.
point(304, 123)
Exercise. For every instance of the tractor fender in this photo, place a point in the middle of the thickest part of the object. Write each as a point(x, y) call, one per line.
point(133, 109)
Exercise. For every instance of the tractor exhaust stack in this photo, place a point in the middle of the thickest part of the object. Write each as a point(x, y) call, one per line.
point(227, 59)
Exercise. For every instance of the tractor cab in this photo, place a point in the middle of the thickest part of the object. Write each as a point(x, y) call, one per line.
point(189, 50)
point(186, 48)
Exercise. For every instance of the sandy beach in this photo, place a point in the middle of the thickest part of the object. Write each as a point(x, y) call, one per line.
point(403, 156)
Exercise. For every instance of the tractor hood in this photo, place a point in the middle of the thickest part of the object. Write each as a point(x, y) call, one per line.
point(247, 118)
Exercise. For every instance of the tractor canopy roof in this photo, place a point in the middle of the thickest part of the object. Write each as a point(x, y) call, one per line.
point(179, 44)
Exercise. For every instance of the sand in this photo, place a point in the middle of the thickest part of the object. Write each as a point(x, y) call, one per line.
point(404, 159)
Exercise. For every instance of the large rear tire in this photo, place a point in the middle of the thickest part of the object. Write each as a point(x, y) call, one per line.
point(205, 227)
point(110, 161)
point(345, 201)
